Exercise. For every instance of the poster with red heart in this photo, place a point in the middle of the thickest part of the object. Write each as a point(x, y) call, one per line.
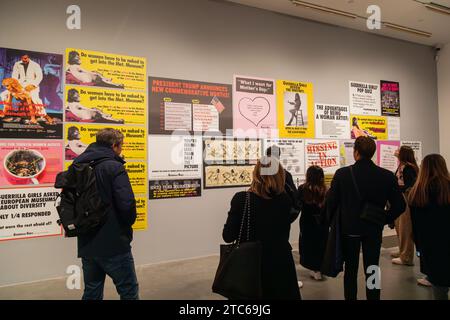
point(254, 107)
point(186, 106)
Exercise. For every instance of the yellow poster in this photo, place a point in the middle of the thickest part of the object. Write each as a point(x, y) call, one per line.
point(137, 172)
point(374, 127)
point(100, 69)
point(97, 105)
point(78, 137)
point(295, 109)
point(141, 216)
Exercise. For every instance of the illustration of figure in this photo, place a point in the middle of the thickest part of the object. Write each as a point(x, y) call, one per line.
point(234, 176)
point(75, 111)
point(357, 132)
point(51, 81)
point(227, 178)
point(74, 145)
point(213, 177)
point(75, 74)
point(296, 110)
point(245, 177)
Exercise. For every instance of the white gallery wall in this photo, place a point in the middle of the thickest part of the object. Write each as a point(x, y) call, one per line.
point(443, 67)
point(210, 41)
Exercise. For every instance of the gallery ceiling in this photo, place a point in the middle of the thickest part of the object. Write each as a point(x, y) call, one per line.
point(421, 15)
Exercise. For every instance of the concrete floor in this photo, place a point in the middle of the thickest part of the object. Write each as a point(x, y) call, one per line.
point(192, 279)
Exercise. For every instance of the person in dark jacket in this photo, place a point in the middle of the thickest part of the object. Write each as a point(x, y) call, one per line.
point(270, 222)
point(377, 186)
point(406, 176)
point(429, 201)
point(108, 251)
point(313, 233)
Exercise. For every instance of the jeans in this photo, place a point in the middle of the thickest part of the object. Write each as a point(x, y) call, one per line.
point(440, 293)
point(351, 247)
point(121, 270)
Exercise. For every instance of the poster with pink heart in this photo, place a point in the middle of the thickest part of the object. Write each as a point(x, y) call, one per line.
point(35, 162)
point(254, 107)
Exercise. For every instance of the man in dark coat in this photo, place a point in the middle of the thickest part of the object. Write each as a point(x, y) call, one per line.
point(108, 251)
point(377, 186)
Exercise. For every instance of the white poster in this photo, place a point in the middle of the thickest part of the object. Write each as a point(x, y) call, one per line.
point(386, 154)
point(417, 147)
point(177, 116)
point(393, 128)
point(28, 213)
point(332, 121)
point(323, 153)
point(365, 98)
point(205, 118)
point(346, 152)
point(292, 156)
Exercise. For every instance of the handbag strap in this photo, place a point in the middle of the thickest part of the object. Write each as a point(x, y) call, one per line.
point(355, 184)
point(245, 214)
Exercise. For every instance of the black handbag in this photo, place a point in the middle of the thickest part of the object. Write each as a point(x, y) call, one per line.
point(370, 212)
point(238, 275)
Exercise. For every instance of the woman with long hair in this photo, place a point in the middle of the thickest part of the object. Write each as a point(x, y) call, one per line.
point(429, 201)
point(406, 177)
point(270, 222)
point(313, 233)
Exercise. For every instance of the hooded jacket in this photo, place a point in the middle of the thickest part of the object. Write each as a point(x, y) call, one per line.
point(114, 187)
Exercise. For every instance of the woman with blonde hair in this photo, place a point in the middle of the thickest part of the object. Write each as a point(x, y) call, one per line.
point(270, 222)
point(429, 201)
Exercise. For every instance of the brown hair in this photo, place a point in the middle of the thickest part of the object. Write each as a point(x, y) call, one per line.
point(110, 137)
point(268, 184)
point(366, 147)
point(314, 190)
point(433, 183)
point(406, 157)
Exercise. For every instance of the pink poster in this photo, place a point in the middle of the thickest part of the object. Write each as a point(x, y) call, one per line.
point(254, 107)
point(35, 162)
point(386, 154)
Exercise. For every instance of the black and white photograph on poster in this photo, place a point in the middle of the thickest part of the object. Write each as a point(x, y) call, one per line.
point(229, 162)
point(365, 98)
point(291, 153)
point(28, 213)
point(176, 167)
point(31, 91)
point(295, 109)
point(417, 147)
point(332, 121)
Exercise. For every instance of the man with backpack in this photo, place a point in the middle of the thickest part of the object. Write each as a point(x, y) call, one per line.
point(107, 250)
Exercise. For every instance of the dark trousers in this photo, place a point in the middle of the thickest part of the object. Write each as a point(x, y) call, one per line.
point(371, 246)
point(121, 270)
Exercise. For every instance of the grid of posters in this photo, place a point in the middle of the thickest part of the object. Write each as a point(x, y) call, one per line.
point(332, 121)
point(176, 170)
point(390, 98)
point(189, 106)
point(417, 147)
point(386, 154)
point(295, 109)
point(292, 156)
point(28, 213)
point(365, 98)
point(30, 94)
point(105, 90)
point(369, 126)
point(229, 162)
point(323, 153)
point(99, 69)
point(254, 107)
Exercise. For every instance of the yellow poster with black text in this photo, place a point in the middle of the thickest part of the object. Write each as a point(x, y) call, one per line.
point(98, 105)
point(374, 127)
point(107, 70)
point(78, 137)
point(295, 109)
point(141, 214)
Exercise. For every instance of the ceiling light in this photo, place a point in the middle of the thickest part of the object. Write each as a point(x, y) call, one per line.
point(437, 7)
point(324, 9)
point(407, 29)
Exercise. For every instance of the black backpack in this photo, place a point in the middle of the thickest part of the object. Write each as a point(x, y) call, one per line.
point(81, 209)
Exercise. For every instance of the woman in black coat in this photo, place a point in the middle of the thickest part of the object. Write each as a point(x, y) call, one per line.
point(270, 222)
point(430, 206)
point(313, 233)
